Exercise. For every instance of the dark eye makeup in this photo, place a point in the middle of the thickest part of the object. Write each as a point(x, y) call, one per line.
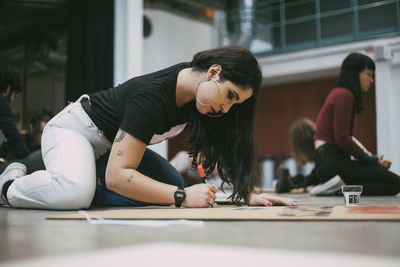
point(232, 95)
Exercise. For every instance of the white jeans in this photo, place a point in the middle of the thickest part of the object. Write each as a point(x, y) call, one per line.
point(70, 144)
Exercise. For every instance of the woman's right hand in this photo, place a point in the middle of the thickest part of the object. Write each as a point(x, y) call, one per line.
point(200, 196)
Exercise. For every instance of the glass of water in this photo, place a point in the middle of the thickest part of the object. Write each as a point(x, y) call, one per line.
point(352, 194)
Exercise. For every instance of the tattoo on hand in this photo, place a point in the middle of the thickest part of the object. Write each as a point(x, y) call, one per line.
point(130, 178)
point(120, 137)
point(120, 153)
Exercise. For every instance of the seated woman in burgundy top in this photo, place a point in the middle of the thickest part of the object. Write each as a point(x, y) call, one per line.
point(334, 141)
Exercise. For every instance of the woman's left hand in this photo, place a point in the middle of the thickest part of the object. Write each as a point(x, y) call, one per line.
point(269, 200)
point(386, 163)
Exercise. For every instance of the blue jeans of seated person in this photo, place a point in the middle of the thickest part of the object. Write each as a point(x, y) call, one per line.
point(152, 165)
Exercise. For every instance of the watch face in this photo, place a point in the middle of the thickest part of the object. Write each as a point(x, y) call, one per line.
point(179, 197)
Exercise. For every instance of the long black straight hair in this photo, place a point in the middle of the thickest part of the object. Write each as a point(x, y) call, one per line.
point(227, 141)
point(349, 77)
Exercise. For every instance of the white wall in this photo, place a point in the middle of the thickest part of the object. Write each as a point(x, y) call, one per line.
point(394, 122)
point(388, 109)
point(128, 40)
point(325, 62)
point(173, 39)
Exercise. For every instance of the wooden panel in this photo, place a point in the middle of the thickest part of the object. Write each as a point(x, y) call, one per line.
point(278, 107)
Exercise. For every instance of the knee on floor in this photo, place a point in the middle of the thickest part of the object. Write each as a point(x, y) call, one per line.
point(73, 196)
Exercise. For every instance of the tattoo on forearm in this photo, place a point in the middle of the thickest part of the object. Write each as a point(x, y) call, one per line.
point(130, 178)
point(120, 153)
point(120, 137)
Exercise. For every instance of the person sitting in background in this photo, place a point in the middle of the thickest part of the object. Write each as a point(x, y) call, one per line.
point(301, 136)
point(32, 138)
point(36, 126)
point(10, 86)
point(183, 163)
point(334, 141)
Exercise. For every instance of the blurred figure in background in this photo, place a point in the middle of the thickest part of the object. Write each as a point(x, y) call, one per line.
point(334, 141)
point(36, 126)
point(183, 164)
point(32, 138)
point(10, 87)
point(301, 136)
point(32, 135)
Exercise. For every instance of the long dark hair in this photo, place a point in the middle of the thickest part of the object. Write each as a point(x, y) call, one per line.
point(301, 136)
point(227, 141)
point(349, 77)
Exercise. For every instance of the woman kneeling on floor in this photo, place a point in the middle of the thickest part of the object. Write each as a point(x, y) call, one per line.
point(213, 96)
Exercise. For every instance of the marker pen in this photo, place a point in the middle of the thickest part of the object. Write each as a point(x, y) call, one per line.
point(201, 173)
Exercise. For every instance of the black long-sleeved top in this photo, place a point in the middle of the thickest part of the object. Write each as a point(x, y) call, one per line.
point(10, 131)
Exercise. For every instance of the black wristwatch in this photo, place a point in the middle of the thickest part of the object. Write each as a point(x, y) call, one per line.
point(179, 197)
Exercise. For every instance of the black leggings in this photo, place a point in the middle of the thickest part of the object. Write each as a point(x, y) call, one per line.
point(375, 179)
point(33, 162)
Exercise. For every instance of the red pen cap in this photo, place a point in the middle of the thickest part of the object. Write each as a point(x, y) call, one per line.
point(201, 171)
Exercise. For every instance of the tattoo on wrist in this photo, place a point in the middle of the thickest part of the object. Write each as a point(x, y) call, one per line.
point(120, 137)
point(120, 153)
point(130, 178)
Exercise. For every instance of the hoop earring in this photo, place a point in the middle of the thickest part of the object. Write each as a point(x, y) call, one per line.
point(212, 102)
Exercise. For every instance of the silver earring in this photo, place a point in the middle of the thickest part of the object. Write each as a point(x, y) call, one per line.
point(212, 102)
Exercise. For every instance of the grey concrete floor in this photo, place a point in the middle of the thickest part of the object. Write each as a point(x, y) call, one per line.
point(26, 234)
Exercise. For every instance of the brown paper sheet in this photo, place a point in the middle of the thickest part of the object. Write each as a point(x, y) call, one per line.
point(245, 213)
